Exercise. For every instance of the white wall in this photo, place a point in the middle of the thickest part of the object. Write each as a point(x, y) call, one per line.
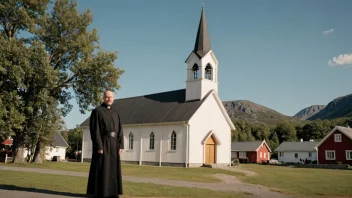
point(141, 139)
point(50, 152)
point(209, 117)
point(290, 156)
point(55, 151)
point(198, 88)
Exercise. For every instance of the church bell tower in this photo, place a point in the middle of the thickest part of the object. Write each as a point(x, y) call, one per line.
point(202, 65)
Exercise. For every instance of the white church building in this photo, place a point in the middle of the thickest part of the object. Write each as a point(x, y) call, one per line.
point(188, 127)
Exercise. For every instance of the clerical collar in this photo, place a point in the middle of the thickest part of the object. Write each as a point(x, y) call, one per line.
point(107, 106)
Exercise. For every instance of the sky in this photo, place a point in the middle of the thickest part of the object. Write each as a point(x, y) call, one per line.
point(285, 55)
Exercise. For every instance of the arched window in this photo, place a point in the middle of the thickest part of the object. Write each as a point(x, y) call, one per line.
point(130, 141)
point(151, 141)
point(208, 71)
point(173, 141)
point(195, 70)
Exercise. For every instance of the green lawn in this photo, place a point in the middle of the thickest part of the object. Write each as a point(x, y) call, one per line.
point(174, 173)
point(303, 181)
point(71, 186)
point(299, 181)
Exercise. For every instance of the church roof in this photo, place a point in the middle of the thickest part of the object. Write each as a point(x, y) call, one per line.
point(161, 107)
point(202, 44)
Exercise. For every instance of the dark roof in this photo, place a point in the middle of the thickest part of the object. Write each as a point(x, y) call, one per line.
point(297, 146)
point(168, 106)
point(202, 45)
point(59, 140)
point(245, 146)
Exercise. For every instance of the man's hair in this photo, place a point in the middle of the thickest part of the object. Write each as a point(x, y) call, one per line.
point(107, 91)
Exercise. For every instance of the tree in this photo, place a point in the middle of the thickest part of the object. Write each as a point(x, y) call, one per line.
point(285, 131)
point(62, 53)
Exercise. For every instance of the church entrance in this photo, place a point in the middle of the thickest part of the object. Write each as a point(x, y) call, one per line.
point(210, 148)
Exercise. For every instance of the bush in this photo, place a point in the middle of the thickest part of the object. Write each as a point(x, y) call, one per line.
point(235, 162)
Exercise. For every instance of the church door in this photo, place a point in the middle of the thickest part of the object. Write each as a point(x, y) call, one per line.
point(210, 151)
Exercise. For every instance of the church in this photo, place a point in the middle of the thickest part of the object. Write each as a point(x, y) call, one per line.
point(187, 127)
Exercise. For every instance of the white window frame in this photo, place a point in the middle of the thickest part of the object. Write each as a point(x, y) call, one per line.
point(338, 137)
point(330, 151)
point(260, 154)
point(348, 156)
point(264, 154)
point(242, 155)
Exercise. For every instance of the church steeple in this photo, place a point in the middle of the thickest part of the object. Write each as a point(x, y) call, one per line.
point(202, 45)
point(202, 65)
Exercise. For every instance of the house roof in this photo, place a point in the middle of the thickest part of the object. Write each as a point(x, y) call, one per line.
point(247, 146)
point(345, 130)
point(8, 141)
point(296, 146)
point(162, 107)
point(58, 140)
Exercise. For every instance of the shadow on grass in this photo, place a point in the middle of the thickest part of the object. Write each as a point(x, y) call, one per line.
point(36, 190)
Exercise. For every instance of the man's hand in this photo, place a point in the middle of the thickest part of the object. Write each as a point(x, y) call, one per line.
point(120, 151)
point(100, 151)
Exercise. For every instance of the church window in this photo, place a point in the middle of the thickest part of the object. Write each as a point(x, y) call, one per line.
point(208, 70)
point(195, 70)
point(173, 141)
point(130, 141)
point(151, 141)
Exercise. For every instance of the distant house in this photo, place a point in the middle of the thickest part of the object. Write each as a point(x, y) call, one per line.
point(58, 148)
point(251, 152)
point(292, 152)
point(336, 147)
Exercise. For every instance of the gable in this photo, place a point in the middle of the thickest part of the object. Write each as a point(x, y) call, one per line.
point(224, 112)
point(165, 107)
point(346, 134)
point(266, 146)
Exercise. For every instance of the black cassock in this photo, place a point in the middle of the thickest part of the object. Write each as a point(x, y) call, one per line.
point(105, 177)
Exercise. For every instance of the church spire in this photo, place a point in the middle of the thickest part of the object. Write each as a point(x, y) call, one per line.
point(202, 45)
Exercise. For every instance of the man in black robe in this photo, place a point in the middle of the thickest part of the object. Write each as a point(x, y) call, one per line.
point(105, 179)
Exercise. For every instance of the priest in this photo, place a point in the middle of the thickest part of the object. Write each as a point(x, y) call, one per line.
point(105, 178)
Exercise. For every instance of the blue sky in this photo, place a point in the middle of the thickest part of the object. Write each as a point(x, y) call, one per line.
point(274, 53)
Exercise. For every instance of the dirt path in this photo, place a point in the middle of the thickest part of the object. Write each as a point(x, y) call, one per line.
point(228, 183)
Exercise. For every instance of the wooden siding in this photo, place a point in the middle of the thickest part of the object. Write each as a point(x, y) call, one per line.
point(339, 148)
point(263, 149)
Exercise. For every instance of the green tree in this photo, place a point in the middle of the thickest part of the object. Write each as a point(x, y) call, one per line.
point(60, 51)
point(285, 131)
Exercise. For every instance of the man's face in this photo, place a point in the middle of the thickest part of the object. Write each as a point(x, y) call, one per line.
point(108, 97)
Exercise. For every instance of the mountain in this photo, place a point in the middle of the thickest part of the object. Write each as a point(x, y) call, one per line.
point(254, 113)
point(308, 112)
point(339, 107)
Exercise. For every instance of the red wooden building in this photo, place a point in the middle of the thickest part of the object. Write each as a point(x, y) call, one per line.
point(251, 152)
point(336, 147)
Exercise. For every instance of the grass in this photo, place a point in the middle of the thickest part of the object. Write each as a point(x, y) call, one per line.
point(164, 172)
point(303, 181)
point(76, 186)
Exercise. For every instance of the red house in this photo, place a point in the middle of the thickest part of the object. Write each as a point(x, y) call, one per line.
point(336, 147)
point(251, 152)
